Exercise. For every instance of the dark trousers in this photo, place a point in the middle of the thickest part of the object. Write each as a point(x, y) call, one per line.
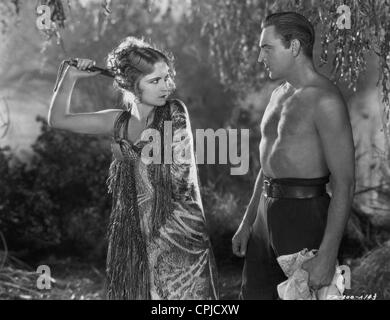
point(282, 226)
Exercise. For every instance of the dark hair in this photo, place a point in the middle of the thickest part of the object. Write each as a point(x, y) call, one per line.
point(292, 25)
point(134, 58)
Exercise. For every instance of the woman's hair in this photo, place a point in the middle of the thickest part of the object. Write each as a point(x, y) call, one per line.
point(292, 25)
point(133, 59)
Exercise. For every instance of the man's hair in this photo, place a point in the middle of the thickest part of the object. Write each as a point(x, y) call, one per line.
point(292, 25)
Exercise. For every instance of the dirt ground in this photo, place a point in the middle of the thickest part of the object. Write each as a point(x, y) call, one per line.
point(73, 280)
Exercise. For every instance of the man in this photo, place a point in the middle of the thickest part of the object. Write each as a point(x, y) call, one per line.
point(306, 137)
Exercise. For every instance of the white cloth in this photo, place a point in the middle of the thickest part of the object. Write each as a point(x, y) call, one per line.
point(296, 286)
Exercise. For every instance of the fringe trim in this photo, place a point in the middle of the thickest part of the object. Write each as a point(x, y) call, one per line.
point(127, 261)
point(161, 175)
point(127, 264)
point(162, 207)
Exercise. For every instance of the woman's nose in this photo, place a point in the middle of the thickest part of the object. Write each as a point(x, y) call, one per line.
point(168, 85)
point(164, 86)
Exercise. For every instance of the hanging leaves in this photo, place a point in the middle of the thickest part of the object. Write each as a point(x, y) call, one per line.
point(106, 5)
point(233, 27)
point(57, 18)
point(233, 30)
point(4, 118)
point(9, 11)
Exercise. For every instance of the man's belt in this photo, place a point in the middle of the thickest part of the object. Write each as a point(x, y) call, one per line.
point(277, 190)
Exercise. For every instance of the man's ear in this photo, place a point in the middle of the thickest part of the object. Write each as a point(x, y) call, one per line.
point(295, 47)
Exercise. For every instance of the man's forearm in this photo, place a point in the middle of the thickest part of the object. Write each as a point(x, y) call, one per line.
point(338, 214)
point(251, 211)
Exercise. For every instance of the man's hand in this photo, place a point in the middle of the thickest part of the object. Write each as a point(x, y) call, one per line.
point(321, 271)
point(240, 240)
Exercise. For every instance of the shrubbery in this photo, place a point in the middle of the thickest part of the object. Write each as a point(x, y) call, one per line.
point(371, 276)
point(59, 202)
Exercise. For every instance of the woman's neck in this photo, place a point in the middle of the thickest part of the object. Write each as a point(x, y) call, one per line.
point(142, 111)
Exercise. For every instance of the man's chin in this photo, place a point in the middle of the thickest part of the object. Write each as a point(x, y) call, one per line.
point(273, 76)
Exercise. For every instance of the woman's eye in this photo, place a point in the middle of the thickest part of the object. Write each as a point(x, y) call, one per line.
point(155, 81)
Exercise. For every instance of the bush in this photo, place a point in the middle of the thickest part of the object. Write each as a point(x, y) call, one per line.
point(60, 201)
point(372, 273)
point(223, 213)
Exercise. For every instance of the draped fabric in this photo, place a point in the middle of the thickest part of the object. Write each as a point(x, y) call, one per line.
point(158, 246)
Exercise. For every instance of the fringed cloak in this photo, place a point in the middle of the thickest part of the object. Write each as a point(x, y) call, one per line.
point(158, 243)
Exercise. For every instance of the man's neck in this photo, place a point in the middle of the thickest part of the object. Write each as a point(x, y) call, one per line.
point(301, 74)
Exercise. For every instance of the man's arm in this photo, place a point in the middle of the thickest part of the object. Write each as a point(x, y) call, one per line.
point(241, 237)
point(334, 129)
point(250, 213)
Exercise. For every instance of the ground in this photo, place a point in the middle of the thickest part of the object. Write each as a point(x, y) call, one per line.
point(74, 280)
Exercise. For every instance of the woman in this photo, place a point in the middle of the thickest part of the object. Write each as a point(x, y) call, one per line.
point(158, 247)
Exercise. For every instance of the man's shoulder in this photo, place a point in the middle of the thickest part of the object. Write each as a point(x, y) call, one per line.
point(322, 93)
point(329, 105)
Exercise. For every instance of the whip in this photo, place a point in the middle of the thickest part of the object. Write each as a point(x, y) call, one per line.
point(73, 62)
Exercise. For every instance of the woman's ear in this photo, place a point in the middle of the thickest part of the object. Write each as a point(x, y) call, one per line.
point(295, 47)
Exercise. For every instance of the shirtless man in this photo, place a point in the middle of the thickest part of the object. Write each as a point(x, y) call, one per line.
point(306, 138)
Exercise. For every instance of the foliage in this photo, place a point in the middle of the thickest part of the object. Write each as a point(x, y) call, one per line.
point(9, 11)
point(58, 201)
point(18, 281)
point(372, 273)
point(223, 212)
point(233, 28)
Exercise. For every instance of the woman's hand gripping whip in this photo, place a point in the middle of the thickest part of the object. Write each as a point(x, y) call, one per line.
point(73, 62)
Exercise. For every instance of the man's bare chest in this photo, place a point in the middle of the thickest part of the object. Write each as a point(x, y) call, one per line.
point(287, 115)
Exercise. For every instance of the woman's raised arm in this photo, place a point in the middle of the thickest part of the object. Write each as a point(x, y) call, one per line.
point(60, 117)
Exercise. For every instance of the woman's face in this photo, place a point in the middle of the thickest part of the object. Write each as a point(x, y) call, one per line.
point(156, 86)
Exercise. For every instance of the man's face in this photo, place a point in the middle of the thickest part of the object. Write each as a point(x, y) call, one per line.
point(276, 58)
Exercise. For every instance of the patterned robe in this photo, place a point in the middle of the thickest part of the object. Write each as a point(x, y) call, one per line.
point(151, 256)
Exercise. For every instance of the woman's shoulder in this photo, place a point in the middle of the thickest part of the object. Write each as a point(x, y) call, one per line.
point(178, 107)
